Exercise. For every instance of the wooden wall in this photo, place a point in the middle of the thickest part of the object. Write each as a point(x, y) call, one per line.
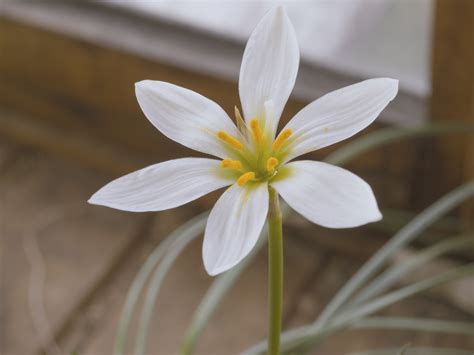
point(75, 98)
point(450, 160)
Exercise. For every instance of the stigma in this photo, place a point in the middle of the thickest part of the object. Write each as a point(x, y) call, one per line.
point(272, 162)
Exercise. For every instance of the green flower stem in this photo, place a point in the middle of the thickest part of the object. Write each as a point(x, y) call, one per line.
point(275, 272)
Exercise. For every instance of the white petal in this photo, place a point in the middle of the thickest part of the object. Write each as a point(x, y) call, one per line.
point(328, 195)
point(340, 114)
point(185, 116)
point(234, 226)
point(162, 186)
point(269, 66)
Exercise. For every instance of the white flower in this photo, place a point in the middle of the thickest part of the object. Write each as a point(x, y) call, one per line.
point(251, 157)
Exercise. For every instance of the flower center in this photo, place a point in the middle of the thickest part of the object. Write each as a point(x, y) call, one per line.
point(254, 156)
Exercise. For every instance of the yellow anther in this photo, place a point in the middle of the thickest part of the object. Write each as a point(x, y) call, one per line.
point(230, 140)
point(256, 130)
point(244, 178)
point(232, 164)
point(271, 164)
point(282, 138)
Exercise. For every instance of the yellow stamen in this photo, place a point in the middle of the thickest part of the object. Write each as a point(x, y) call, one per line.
point(244, 178)
point(271, 164)
point(230, 140)
point(256, 130)
point(282, 138)
point(232, 164)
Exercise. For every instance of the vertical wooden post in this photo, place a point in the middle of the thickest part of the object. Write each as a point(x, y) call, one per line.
point(453, 95)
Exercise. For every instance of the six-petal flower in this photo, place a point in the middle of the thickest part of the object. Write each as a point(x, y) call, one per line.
point(252, 155)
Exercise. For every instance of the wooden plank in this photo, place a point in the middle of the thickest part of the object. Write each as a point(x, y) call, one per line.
point(55, 247)
point(85, 150)
point(7, 155)
point(453, 95)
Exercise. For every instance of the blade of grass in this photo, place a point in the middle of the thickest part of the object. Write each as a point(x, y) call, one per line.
point(214, 296)
point(134, 293)
point(388, 135)
point(400, 239)
point(403, 349)
point(191, 230)
point(143, 274)
point(394, 219)
point(404, 292)
point(416, 324)
point(312, 334)
point(389, 277)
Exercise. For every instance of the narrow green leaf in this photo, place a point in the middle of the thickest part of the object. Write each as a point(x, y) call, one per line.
point(394, 219)
point(404, 349)
point(404, 292)
point(194, 225)
point(389, 135)
point(134, 293)
point(416, 324)
point(400, 239)
point(214, 296)
point(191, 230)
point(389, 277)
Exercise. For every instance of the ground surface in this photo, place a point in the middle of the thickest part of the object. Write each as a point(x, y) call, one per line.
point(66, 267)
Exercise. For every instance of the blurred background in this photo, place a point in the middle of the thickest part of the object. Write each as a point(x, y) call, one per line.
point(69, 122)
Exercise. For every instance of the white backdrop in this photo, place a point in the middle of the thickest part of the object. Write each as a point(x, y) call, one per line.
point(363, 37)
